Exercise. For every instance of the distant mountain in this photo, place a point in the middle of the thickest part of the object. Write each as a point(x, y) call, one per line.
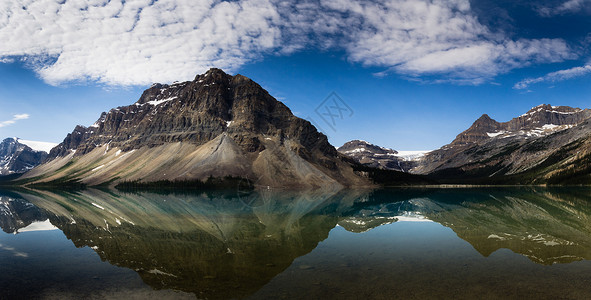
point(217, 125)
point(379, 157)
point(17, 157)
point(371, 155)
point(548, 144)
point(541, 120)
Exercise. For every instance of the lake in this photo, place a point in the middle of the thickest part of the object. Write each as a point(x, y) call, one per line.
point(514, 243)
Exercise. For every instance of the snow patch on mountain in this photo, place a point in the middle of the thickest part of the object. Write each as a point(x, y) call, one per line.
point(545, 129)
point(493, 134)
point(158, 102)
point(543, 107)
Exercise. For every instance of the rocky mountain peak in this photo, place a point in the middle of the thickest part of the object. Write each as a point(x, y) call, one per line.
point(539, 120)
point(546, 114)
point(238, 127)
point(360, 146)
point(550, 108)
point(521, 143)
point(374, 156)
point(485, 121)
point(194, 111)
point(478, 131)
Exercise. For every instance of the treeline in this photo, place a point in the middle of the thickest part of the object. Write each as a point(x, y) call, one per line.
point(227, 182)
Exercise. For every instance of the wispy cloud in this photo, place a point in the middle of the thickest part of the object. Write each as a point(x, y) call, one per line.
point(139, 41)
point(14, 119)
point(569, 6)
point(554, 76)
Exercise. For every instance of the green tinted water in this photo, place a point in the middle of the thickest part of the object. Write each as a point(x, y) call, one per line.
point(413, 243)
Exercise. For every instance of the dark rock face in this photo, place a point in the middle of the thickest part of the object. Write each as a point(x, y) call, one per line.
point(214, 126)
point(375, 156)
point(72, 141)
point(478, 131)
point(547, 114)
point(196, 112)
point(18, 158)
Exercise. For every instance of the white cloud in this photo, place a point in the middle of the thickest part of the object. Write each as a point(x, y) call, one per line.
point(21, 116)
point(569, 6)
point(14, 119)
point(555, 76)
point(438, 37)
point(142, 41)
point(136, 41)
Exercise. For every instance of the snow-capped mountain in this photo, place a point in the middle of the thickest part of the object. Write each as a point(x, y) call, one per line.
point(379, 157)
point(548, 144)
point(16, 156)
point(541, 120)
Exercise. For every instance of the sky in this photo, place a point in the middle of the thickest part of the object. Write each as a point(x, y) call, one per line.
point(404, 74)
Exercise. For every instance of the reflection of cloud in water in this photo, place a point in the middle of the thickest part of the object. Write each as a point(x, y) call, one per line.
point(14, 251)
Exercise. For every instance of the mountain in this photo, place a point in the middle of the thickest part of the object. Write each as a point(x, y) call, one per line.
point(371, 155)
point(548, 144)
point(541, 120)
point(217, 125)
point(17, 157)
point(375, 156)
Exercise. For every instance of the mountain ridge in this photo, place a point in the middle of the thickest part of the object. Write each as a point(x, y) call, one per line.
point(215, 125)
point(546, 145)
point(533, 148)
point(375, 156)
point(536, 121)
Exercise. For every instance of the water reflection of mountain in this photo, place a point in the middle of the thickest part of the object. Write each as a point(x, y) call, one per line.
point(16, 213)
point(547, 225)
point(215, 245)
point(220, 245)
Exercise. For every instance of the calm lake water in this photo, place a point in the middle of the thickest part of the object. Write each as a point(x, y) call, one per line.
point(385, 244)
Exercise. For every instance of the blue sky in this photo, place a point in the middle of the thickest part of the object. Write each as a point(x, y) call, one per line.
point(413, 73)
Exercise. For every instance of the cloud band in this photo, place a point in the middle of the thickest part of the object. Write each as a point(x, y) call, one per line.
point(142, 41)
